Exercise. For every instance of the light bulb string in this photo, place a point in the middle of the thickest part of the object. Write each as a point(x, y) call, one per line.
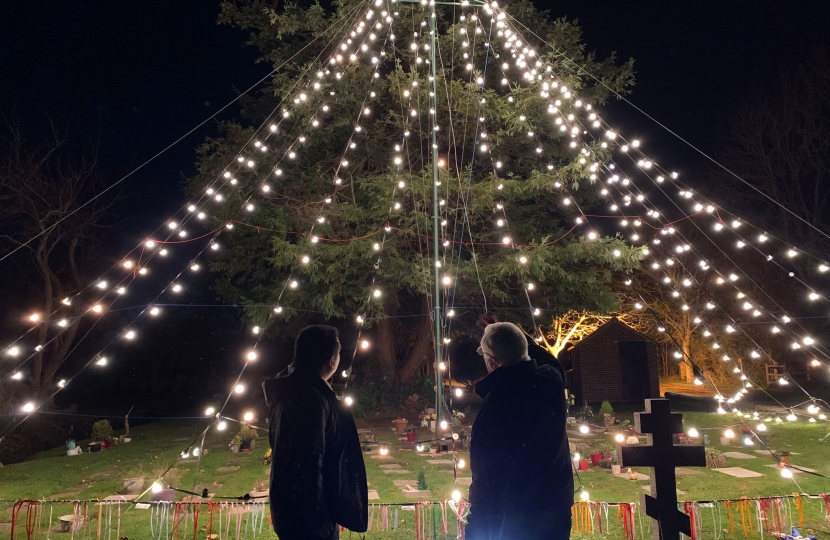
point(168, 147)
point(276, 304)
point(659, 187)
point(202, 201)
point(663, 126)
point(825, 352)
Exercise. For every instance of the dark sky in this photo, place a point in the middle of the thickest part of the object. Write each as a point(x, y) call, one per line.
point(139, 75)
point(136, 76)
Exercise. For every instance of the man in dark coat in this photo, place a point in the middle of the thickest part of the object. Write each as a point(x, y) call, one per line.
point(318, 479)
point(519, 456)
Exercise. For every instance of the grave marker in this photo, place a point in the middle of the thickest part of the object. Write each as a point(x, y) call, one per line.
point(662, 456)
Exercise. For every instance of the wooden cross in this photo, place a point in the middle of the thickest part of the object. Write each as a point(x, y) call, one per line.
point(662, 456)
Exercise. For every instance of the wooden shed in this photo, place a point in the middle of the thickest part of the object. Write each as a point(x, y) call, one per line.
point(615, 363)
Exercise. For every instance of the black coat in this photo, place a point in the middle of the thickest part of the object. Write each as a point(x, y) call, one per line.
point(519, 456)
point(318, 478)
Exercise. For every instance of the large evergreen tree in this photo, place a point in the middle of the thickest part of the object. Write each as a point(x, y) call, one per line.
point(382, 197)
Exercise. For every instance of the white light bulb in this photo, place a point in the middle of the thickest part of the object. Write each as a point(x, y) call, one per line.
point(130, 334)
point(239, 388)
point(210, 411)
point(584, 429)
point(248, 416)
point(458, 392)
point(693, 433)
point(102, 361)
point(364, 344)
point(252, 355)
point(154, 311)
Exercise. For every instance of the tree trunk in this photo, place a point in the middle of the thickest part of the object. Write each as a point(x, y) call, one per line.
point(385, 345)
point(419, 351)
point(686, 343)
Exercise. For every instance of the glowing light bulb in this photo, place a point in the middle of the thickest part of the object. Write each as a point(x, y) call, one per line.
point(419, 448)
point(28, 407)
point(761, 427)
point(364, 344)
point(443, 424)
point(584, 495)
point(62, 383)
point(210, 411)
point(459, 392)
point(729, 434)
point(252, 355)
point(584, 429)
point(130, 334)
point(693, 433)
point(791, 417)
point(349, 401)
point(157, 486)
point(248, 416)
point(461, 463)
point(154, 311)
point(149, 244)
point(384, 450)
point(786, 473)
point(239, 388)
point(456, 495)
point(222, 425)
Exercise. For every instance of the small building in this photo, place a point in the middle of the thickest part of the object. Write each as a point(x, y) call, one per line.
point(615, 363)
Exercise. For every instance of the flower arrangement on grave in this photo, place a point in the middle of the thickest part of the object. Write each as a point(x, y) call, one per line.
point(715, 459)
point(585, 413)
point(458, 418)
point(266, 458)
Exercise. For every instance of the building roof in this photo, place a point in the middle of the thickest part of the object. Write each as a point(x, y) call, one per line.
point(614, 322)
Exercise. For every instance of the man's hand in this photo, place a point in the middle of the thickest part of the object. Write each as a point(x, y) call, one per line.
point(486, 319)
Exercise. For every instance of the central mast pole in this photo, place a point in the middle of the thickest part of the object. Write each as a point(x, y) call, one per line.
point(436, 225)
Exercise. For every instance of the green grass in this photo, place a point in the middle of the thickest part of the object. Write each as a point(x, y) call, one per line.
point(53, 475)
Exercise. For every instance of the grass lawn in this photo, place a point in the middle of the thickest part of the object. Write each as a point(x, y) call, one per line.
point(52, 475)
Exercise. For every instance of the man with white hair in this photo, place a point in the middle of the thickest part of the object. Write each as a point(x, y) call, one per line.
point(519, 456)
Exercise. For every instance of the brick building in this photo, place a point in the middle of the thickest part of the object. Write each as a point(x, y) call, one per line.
point(614, 363)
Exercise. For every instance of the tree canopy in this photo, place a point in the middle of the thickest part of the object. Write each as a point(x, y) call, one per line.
point(346, 154)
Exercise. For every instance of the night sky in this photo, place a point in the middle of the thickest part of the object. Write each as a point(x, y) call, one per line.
point(136, 76)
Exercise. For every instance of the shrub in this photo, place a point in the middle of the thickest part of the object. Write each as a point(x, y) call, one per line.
point(715, 459)
point(101, 430)
point(606, 408)
point(422, 480)
point(246, 434)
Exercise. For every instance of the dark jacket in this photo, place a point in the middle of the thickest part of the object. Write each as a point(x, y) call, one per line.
point(519, 456)
point(318, 478)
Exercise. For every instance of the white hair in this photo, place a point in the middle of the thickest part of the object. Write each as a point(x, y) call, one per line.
point(505, 342)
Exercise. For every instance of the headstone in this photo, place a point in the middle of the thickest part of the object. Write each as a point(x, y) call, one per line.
point(738, 455)
point(395, 471)
point(373, 495)
point(662, 456)
point(738, 472)
point(440, 461)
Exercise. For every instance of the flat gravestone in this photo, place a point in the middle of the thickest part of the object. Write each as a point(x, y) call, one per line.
point(378, 456)
point(227, 469)
point(466, 481)
point(260, 495)
point(633, 476)
point(390, 466)
point(738, 472)
point(662, 456)
point(684, 471)
point(404, 483)
point(793, 468)
point(424, 494)
point(181, 439)
point(373, 495)
point(440, 461)
point(395, 471)
point(738, 455)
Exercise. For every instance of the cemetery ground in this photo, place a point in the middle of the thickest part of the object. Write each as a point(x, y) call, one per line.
point(155, 447)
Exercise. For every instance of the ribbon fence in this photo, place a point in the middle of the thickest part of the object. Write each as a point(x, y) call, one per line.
point(762, 517)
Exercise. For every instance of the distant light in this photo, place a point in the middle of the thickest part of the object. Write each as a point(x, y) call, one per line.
point(101, 361)
point(29, 407)
point(584, 429)
point(693, 433)
point(239, 388)
point(248, 416)
point(210, 411)
point(619, 437)
point(349, 400)
point(458, 392)
point(456, 495)
point(252, 355)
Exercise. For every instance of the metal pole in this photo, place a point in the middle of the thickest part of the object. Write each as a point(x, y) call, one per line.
point(436, 225)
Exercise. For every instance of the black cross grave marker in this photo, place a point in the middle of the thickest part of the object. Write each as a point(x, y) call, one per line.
point(662, 456)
